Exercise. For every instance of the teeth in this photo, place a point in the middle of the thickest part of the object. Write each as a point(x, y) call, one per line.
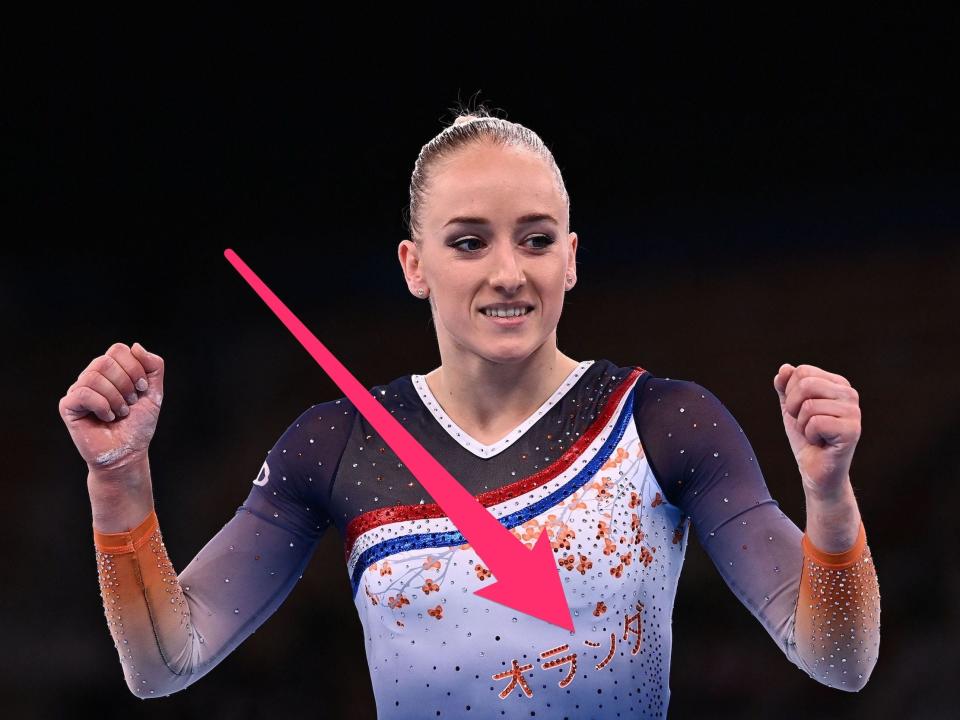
point(512, 312)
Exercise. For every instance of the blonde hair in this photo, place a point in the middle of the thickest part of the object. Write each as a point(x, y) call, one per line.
point(471, 127)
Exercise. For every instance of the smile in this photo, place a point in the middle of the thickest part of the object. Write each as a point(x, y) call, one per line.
point(507, 318)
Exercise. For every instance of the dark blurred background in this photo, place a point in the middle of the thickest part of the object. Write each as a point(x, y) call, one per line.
point(747, 190)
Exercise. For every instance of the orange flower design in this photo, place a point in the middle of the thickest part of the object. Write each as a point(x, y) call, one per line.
point(609, 546)
point(563, 538)
point(567, 561)
point(531, 530)
point(634, 499)
point(482, 572)
point(373, 598)
point(646, 555)
point(584, 565)
point(430, 586)
point(600, 609)
point(602, 529)
point(614, 461)
point(385, 568)
point(656, 500)
point(436, 612)
point(430, 562)
point(397, 602)
point(627, 559)
point(617, 570)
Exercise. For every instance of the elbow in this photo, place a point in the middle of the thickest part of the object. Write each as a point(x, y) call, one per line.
point(857, 678)
point(145, 692)
point(855, 684)
point(852, 679)
point(147, 689)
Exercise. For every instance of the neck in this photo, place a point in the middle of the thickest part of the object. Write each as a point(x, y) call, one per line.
point(488, 397)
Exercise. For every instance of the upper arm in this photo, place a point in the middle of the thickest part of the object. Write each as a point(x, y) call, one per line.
point(707, 467)
point(243, 573)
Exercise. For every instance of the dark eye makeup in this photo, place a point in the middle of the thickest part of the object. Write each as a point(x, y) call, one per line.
point(546, 239)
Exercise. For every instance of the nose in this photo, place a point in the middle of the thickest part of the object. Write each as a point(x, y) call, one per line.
point(506, 267)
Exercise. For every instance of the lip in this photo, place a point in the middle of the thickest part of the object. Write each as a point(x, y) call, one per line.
point(507, 321)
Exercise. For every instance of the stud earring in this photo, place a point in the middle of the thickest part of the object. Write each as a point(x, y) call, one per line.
point(420, 292)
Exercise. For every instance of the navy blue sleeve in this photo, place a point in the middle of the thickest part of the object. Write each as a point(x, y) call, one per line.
point(171, 629)
point(706, 466)
point(293, 486)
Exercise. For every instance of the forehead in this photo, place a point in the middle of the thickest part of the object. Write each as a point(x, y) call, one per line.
point(485, 178)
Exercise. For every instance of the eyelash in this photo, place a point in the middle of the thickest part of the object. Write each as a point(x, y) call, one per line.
point(456, 244)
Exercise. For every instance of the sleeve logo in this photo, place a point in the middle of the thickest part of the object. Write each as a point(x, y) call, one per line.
point(263, 475)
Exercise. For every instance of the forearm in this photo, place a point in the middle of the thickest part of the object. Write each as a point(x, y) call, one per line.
point(169, 629)
point(147, 614)
point(837, 622)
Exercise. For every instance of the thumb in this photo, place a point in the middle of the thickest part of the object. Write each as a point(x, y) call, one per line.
point(153, 365)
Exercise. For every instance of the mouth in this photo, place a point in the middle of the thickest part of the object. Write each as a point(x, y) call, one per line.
point(508, 318)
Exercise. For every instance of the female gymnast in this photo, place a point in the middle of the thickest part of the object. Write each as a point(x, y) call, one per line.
point(613, 463)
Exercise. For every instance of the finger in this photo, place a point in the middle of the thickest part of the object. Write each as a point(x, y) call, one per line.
point(153, 364)
point(803, 371)
point(826, 430)
point(121, 353)
point(108, 366)
point(813, 386)
point(104, 387)
point(812, 407)
point(83, 400)
point(781, 378)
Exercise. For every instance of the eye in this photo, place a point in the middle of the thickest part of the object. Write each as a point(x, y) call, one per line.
point(457, 244)
point(547, 240)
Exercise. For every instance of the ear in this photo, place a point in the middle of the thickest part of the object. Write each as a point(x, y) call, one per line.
point(409, 256)
point(572, 256)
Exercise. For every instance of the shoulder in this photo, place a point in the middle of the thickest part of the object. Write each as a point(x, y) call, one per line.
point(665, 396)
point(313, 417)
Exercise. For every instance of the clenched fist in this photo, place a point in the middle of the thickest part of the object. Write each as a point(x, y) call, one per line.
point(111, 410)
point(821, 416)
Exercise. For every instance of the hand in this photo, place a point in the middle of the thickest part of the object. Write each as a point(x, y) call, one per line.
point(821, 415)
point(111, 418)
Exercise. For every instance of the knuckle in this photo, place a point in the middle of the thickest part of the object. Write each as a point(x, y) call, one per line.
point(118, 347)
point(85, 377)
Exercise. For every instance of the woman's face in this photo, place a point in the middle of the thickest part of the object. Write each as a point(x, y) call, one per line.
point(494, 232)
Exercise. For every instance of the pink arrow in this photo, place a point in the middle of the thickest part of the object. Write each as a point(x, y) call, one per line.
point(527, 580)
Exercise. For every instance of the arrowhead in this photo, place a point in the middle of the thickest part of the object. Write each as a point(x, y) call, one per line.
point(530, 583)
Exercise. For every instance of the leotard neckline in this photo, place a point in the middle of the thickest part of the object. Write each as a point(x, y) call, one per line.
point(472, 444)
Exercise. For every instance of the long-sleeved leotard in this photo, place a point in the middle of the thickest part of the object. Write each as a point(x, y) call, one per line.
point(614, 466)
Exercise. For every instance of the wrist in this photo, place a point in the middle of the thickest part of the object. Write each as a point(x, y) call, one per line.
point(833, 520)
point(120, 497)
point(827, 494)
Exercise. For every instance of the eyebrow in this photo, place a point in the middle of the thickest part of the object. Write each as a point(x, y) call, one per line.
point(522, 220)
